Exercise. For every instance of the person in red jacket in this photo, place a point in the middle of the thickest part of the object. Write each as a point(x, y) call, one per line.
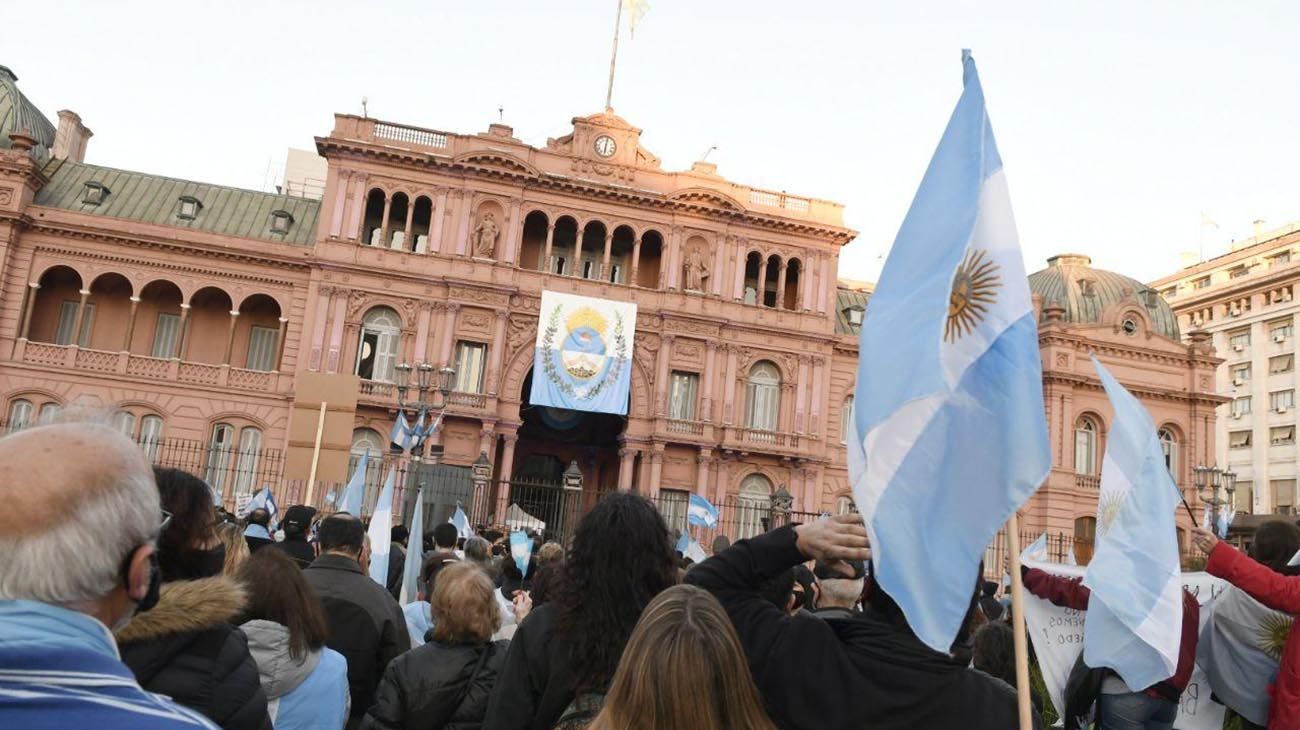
point(1119, 707)
point(1278, 592)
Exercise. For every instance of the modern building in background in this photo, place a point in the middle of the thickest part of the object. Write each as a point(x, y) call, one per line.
point(258, 338)
point(1245, 301)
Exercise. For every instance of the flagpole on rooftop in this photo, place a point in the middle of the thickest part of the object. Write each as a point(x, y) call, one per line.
point(613, 57)
point(1018, 624)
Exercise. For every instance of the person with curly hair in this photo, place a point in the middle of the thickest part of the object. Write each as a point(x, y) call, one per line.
point(564, 654)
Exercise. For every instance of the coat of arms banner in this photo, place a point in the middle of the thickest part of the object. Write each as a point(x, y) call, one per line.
point(584, 354)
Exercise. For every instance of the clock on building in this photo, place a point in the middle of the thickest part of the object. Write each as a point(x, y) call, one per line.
point(605, 146)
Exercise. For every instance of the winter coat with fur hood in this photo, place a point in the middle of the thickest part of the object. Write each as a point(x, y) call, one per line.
point(187, 648)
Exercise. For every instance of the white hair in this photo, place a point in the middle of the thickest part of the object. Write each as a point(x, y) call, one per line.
point(79, 559)
point(840, 593)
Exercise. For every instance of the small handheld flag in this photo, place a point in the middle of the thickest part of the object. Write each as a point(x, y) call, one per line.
point(461, 521)
point(521, 549)
point(701, 513)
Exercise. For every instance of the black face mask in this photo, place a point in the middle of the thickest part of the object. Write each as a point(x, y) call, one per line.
point(208, 563)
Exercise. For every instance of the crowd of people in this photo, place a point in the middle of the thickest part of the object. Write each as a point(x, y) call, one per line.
point(127, 600)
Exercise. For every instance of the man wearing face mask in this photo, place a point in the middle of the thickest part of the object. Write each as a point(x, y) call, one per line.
point(189, 646)
point(77, 539)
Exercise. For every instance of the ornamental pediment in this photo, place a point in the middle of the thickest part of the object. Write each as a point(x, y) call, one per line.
point(707, 197)
point(495, 159)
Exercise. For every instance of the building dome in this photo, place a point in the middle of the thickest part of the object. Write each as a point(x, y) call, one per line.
point(1085, 293)
point(18, 113)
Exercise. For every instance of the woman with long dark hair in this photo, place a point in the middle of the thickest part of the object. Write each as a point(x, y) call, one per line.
point(563, 656)
point(306, 682)
point(683, 669)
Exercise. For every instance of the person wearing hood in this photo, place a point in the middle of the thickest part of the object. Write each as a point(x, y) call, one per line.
point(187, 647)
point(870, 669)
point(296, 524)
point(306, 682)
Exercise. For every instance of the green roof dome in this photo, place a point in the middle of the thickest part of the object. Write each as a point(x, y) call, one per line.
point(18, 113)
point(1085, 293)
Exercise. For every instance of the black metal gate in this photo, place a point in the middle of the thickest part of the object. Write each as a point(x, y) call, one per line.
point(445, 487)
point(543, 505)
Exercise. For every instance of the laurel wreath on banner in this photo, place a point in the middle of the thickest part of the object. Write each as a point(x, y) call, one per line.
point(552, 369)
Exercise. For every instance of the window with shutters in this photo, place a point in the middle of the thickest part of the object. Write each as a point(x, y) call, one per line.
point(1241, 406)
point(1243, 500)
point(151, 436)
point(1281, 364)
point(1280, 259)
point(673, 505)
point(1241, 373)
point(1239, 439)
point(846, 416)
point(763, 396)
point(166, 334)
point(1283, 496)
point(20, 414)
point(220, 447)
point(1281, 400)
point(470, 358)
point(681, 403)
point(50, 412)
point(250, 449)
point(381, 333)
point(1281, 435)
point(1280, 330)
point(754, 506)
point(124, 422)
point(68, 322)
point(1240, 340)
point(1086, 434)
point(261, 348)
point(1169, 447)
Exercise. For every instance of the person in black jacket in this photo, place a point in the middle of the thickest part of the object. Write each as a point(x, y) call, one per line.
point(446, 682)
point(366, 625)
point(568, 649)
point(187, 647)
point(297, 521)
point(867, 671)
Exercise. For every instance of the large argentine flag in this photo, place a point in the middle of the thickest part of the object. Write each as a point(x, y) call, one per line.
point(1135, 613)
point(381, 531)
point(949, 434)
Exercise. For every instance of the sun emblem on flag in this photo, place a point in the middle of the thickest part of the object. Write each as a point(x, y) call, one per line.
point(1108, 507)
point(974, 289)
point(1273, 633)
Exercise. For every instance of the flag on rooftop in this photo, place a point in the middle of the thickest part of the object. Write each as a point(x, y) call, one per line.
point(1135, 612)
point(948, 426)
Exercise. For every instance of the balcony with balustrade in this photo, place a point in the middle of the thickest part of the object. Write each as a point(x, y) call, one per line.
point(740, 438)
point(72, 357)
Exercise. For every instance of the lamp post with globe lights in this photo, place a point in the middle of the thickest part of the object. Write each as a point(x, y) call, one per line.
point(432, 386)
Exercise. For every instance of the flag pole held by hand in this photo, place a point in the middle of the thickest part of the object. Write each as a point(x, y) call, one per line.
point(1018, 625)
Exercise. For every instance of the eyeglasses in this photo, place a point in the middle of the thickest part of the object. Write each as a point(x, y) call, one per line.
point(166, 520)
point(126, 560)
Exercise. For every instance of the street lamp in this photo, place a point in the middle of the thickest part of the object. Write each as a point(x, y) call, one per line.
point(425, 405)
point(1210, 480)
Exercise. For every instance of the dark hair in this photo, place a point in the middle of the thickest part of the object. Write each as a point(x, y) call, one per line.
point(994, 651)
point(1276, 542)
point(805, 578)
point(493, 535)
point(990, 588)
point(432, 566)
point(297, 520)
point(341, 531)
point(444, 535)
point(619, 560)
point(259, 516)
point(720, 543)
point(189, 500)
point(777, 589)
point(399, 533)
point(277, 591)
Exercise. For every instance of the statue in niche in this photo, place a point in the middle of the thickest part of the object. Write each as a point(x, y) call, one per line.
point(694, 271)
point(484, 237)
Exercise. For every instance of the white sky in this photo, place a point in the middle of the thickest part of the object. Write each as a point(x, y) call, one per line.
point(1119, 121)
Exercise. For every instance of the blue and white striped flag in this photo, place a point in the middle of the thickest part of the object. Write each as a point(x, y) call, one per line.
point(1135, 613)
point(461, 521)
point(414, 556)
point(266, 500)
point(403, 435)
point(948, 427)
point(354, 494)
point(689, 548)
point(701, 512)
point(521, 549)
point(381, 531)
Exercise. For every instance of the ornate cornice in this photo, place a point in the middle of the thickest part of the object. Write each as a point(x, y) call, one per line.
point(156, 264)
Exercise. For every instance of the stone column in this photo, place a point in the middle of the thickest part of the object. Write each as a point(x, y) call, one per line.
point(357, 210)
point(656, 470)
point(407, 243)
point(729, 388)
point(577, 251)
point(321, 315)
point(504, 475)
point(487, 437)
point(184, 332)
point(448, 332)
point(819, 376)
point(383, 225)
point(780, 284)
point(721, 482)
point(341, 182)
point(439, 218)
point(702, 472)
point(550, 242)
point(828, 280)
point(498, 352)
point(464, 213)
point(719, 264)
point(421, 335)
point(604, 261)
point(762, 283)
point(661, 378)
point(79, 322)
point(636, 262)
point(627, 460)
point(741, 257)
point(806, 278)
point(673, 256)
point(516, 227)
point(230, 337)
point(278, 364)
point(801, 395)
point(32, 288)
point(709, 376)
point(130, 324)
point(336, 332)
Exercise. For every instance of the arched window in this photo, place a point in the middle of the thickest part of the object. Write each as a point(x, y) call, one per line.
point(844, 505)
point(754, 507)
point(1085, 537)
point(846, 416)
point(1169, 446)
point(763, 396)
point(381, 333)
point(124, 421)
point(1085, 446)
point(20, 414)
point(151, 435)
point(49, 412)
point(220, 446)
point(368, 439)
point(250, 449)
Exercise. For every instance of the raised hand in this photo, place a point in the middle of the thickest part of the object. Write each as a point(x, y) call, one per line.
point(840, 538)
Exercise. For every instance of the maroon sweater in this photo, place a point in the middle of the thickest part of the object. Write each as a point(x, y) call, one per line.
point(1072, 593)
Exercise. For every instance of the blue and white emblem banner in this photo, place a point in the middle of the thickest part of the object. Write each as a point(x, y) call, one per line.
point(583, 360)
